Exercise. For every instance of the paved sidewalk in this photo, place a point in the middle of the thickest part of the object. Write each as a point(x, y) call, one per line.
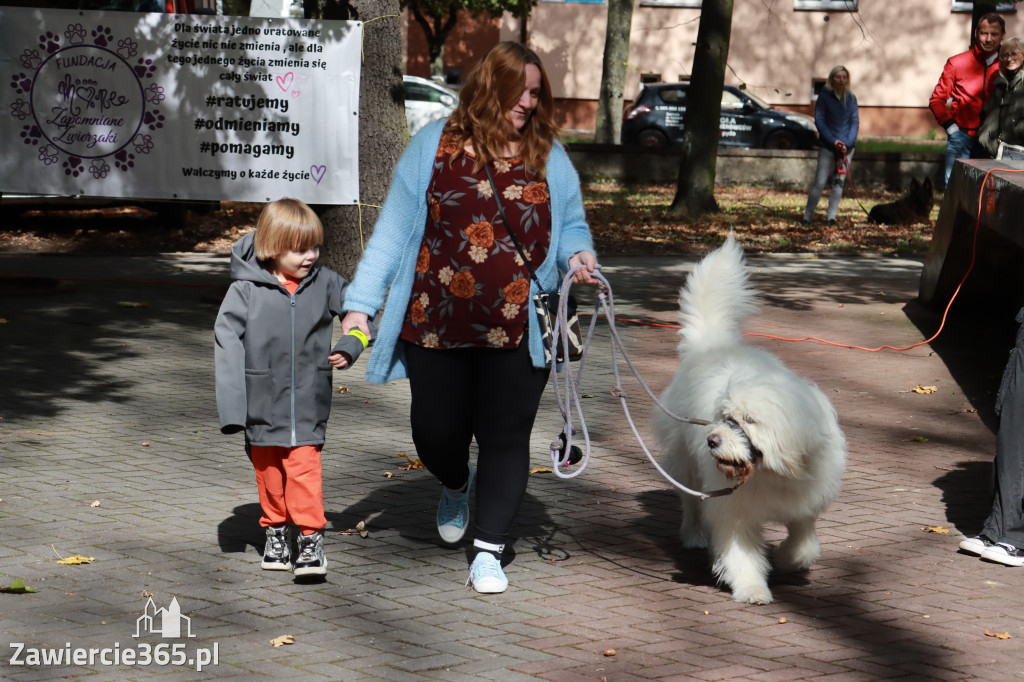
point(109, 448)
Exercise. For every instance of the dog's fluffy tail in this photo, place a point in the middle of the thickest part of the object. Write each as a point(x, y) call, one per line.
point(716, 299)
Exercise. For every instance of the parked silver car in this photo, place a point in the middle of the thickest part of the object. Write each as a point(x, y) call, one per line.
point(426, 101)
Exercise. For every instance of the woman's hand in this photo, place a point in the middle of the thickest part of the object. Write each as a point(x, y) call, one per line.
point(356, 320)
point(840, 147)
point(585, 274)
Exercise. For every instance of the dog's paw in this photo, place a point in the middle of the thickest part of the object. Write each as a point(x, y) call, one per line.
point(752, 594)
point(792, 556)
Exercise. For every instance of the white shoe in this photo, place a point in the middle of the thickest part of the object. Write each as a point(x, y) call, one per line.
point(485, 574)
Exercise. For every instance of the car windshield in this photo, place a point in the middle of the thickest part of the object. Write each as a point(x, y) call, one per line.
point(757, 100)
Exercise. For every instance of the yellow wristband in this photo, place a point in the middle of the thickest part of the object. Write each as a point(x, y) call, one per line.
point(361, 336)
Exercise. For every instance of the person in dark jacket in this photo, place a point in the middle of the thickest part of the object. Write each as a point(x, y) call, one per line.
point(838, 121)
point(1003, 122)
point(1002, 537)
point(965, 84)
point(274, 363)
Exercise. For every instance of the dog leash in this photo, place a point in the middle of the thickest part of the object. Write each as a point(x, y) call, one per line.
point(568, 396)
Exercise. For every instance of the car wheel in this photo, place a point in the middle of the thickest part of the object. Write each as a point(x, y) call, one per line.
point(781, 139)
point(652, 139)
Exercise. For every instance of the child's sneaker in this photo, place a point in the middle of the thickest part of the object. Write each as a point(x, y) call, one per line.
point(311, 559)
point(975, 545)
point(485, 574)
point(453, 512)
point(1004, 554)
point(277, 556)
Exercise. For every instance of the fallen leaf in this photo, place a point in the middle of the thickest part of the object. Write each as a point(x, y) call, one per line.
point(145, 443)
point(706, 612)
point(413, 463)
point(361, 527)
point(132, 304)
point(610, 652)
point(76, 560)
point(3, 320)
point(282, 640)
point(923, 389)
point(936, 529)
point(147, 593)
point(18, 587)
point(541, 470)
point(919, 439)
point(342, 389)
point(783, 620)
point(997, 635)
point(95, 504)
point(391, 475)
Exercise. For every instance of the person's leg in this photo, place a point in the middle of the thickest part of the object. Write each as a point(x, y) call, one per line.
point(826, 165)
point(270, 479)
point(836, 195)
point(441, 386)
point(1005, 522)
point(303, 488)
point(958, 146)
point(508, 395)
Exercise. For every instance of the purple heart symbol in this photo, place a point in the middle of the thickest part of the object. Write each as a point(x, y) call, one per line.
point(285, 82)
point(318, 172)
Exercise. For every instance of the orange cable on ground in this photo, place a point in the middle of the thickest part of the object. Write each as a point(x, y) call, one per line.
point(945, 313)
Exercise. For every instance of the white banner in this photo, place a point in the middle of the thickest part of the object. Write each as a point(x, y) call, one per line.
point(161, 106)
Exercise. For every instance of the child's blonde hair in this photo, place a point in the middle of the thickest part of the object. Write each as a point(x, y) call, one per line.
point(286, 225)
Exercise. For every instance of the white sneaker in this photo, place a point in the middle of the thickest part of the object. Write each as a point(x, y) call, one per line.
point(485, 574)
point(1003, 553)
point(975, 545)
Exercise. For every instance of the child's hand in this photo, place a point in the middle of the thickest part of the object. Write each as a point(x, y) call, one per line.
point(337, 360)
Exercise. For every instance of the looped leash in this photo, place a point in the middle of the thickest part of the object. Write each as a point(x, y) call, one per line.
point(566, 388)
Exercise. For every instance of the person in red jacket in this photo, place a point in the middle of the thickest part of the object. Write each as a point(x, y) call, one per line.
point(964, 86)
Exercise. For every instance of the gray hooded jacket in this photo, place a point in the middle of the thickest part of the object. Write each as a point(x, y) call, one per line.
point(273, 378)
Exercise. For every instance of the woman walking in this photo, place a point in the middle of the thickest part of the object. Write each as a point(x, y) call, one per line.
point(1002, 128)
point(456, 294)
point(838, 120)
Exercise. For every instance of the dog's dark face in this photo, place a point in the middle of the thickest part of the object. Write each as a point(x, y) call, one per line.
point(923, 196)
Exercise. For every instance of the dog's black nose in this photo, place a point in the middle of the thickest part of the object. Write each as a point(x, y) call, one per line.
point(714, 440)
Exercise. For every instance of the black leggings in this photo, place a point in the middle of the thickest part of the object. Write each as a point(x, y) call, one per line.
point(491, 394)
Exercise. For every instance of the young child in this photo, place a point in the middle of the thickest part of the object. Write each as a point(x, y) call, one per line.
point(273, 364)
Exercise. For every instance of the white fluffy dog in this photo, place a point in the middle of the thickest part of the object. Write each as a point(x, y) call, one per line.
point(771, 431)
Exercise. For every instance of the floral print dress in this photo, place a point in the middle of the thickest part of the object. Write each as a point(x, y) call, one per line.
point(471, 288)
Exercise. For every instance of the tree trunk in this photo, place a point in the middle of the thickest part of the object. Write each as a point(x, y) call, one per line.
point(382, 130)
point(435, 29)
point(695, 192)
point(613, 74)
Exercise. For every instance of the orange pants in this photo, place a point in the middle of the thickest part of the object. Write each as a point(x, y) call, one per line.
point(290, 483)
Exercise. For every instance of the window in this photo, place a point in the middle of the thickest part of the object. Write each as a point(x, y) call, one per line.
point(675, 96)
point(730, 100)
point(961, 6)
point(826, 5)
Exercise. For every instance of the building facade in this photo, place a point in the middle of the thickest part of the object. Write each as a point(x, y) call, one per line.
point(781, 50)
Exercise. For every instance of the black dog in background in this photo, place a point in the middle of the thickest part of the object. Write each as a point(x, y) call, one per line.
point(915, 207)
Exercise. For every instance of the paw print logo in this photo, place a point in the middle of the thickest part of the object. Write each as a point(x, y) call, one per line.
point(75, 34)
point(153, 119)
point(155, 93)
point(143, 144)
point(48, 154)
point(21, 83)
point(127, 48)
point(73, 166)
point(144, 68)
point(123, 160)
point(101, 36)
point(30, 60)
point(49, 42)
point(31, 134)
point(99, 169)
point(19, 109)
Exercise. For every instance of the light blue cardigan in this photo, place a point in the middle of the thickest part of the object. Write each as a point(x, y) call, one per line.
point(389, 262)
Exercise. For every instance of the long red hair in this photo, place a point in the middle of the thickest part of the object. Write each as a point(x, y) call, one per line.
point(482, 117)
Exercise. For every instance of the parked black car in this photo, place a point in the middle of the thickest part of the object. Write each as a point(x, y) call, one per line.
point(655, 119)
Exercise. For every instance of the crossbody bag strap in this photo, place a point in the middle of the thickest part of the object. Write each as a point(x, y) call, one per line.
point(504, 220)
